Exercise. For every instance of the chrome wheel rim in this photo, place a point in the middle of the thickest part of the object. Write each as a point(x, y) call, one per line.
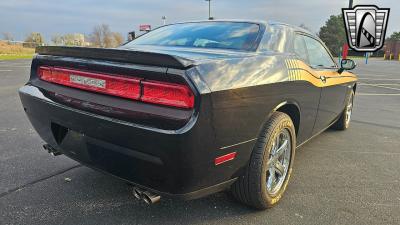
point(279, 161)
point(349, 110)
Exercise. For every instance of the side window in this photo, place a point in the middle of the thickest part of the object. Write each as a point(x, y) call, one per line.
point(300, 48)
point(274, 39)
point(317, 54)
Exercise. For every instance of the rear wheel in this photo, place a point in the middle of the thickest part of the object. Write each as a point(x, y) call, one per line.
point(344, 120)
point(270, 166)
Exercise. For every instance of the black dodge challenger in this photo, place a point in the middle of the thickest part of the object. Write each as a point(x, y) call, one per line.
point(191, 109)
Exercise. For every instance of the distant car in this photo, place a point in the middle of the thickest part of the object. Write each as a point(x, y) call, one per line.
point(194, 108)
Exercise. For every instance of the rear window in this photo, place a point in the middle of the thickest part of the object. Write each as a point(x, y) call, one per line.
point(221, 35)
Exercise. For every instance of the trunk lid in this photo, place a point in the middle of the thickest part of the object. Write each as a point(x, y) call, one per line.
point(118, 55)
point(95, 80)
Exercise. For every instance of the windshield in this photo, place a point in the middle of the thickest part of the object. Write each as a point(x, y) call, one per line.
point(222, 35)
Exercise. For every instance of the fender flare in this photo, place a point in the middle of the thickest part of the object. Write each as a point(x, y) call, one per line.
point(280, 105)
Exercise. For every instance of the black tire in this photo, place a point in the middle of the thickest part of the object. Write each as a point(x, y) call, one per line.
point(343, 123)
point(251, 187)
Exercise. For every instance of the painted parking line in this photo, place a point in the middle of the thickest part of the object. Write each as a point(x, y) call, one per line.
point(377, 94)
point(382, 84)
point(372, 75)
point(385, 61)
point(5, 70)
point(379, 86)
point(12, 66)
point(379, 78)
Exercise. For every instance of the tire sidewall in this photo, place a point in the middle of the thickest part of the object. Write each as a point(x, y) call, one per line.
point(285, 123)
point(351, 98)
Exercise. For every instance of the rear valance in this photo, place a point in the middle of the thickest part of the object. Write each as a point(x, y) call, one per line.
point(119, 55)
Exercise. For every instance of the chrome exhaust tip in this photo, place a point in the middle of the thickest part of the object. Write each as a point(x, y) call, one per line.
point(150, 198)
point(137, 193)
point(147, 196)
point(51, 150)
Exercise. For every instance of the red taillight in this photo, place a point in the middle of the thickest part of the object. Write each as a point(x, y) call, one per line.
point(44, 73)
point(176, 95)
point(225, 158)
point(102, 83)
point(167, 94)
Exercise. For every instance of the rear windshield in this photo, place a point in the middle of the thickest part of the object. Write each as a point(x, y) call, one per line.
point(222, 35)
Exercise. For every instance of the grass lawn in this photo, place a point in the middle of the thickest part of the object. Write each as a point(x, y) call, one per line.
point(13, 57)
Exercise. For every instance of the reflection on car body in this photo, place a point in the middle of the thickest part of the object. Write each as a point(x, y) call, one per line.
point(190, 109)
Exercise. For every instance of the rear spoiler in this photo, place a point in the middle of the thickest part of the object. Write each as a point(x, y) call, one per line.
point(119, 55)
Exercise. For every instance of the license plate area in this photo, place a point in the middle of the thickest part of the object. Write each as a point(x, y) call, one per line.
point(87, 81)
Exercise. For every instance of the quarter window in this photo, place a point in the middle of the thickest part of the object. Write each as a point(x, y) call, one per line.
point(317, 54)
point(300, 48)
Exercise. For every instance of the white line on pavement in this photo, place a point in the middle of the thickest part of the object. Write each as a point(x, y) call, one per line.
point(373, 85)
point(373, 75)
point(381, 84)
point(5, 70)
point(378, 79)
point(377, 94)
point(8, 66)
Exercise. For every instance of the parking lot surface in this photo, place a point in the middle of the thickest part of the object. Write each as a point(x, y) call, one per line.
point(350, 177)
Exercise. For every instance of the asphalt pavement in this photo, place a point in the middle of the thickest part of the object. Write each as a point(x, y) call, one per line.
point(350, 177)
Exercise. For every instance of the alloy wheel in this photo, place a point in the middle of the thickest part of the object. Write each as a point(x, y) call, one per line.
point(349, 109)
point(278, 163)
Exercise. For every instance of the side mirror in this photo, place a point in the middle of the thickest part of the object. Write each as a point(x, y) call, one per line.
point(347, 64)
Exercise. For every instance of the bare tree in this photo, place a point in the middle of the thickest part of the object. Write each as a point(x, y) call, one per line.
point(97, 36)
point(75, 39)
point(118, 39)
point(70, 40)
point(102, 36)
point(8, 36)
point(34, 39)
point(57, 39)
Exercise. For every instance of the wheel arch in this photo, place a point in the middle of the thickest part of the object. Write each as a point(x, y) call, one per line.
point(292, 109)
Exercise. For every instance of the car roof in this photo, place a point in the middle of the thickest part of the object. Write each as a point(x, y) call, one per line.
point(264, 22)
point(295, 28)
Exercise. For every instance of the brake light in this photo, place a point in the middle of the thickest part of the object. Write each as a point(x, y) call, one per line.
point(167, 94)
point(44, 73)
point(162, 93)
point(97, 82)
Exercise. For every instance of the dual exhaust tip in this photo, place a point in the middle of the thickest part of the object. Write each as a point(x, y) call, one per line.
point(145, 195)
point(51, 150)
point(148, 197)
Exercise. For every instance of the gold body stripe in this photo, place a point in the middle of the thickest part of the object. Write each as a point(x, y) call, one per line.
point(298, 70)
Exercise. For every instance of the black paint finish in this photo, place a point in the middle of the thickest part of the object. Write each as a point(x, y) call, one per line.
point(168, 150)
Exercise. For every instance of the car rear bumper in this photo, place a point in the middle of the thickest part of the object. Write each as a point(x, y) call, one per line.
point(176, 163)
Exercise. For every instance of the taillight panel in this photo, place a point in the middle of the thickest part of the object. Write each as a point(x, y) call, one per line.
point(113, 85)
point(149, 91)
point(176, 95)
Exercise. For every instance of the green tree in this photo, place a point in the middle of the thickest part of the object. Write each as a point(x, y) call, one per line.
point(395, 36)
point(333, 33)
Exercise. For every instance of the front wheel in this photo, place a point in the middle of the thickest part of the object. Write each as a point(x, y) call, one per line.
point(270, 165)
point(344, 120)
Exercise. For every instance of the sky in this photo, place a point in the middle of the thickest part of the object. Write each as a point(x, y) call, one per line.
point(49, 17)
